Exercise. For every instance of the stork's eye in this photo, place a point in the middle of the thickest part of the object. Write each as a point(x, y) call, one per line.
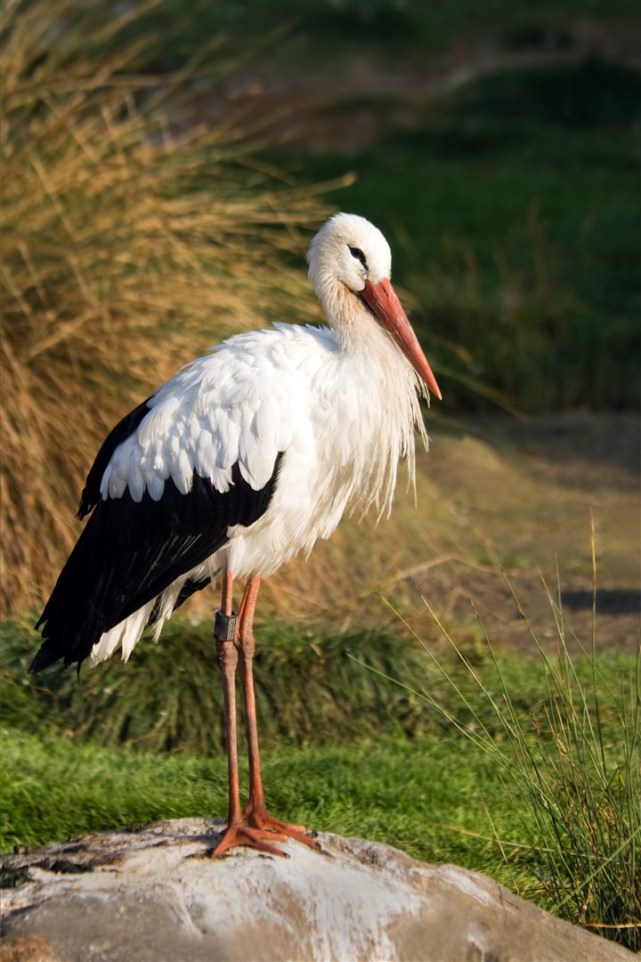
point(359, 255)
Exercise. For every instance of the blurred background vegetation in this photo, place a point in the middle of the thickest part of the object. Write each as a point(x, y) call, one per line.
point(164, 165)
point(165, 162)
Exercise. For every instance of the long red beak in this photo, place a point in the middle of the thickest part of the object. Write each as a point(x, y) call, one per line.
point(383, 301)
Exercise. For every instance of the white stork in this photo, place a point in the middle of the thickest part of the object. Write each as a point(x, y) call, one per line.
point(245, 458)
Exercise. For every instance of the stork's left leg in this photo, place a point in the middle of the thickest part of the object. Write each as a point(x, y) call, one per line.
point(256, 810)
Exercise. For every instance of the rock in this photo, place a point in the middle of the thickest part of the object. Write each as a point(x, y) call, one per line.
point(152, 894)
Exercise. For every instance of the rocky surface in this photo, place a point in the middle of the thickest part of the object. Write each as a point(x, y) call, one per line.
point(153, 894)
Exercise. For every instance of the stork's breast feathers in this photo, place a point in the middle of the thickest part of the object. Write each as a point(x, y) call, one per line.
point(236, 406)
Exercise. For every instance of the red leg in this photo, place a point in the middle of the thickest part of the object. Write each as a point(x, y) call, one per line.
point(256, 811)
point(236, 832)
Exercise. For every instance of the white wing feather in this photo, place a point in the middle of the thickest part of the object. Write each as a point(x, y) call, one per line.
point(239, 404)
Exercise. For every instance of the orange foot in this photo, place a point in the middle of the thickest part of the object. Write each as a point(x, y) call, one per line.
point(261, 820)
point(250, 836)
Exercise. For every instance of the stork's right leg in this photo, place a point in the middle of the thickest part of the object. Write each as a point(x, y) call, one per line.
point(236, 832)
point(256, 811)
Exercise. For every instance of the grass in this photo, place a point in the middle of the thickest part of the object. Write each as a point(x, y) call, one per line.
point(128, 247)
point(313, 689)
point(572, 762)
point(404, 793)
point(168, 698)
point(133, 237)
point(516, 207)
point(514, 192)
point(525, 769)
point(336, 31)
point(428, 790)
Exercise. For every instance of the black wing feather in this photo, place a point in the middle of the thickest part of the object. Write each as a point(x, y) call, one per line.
point(131, 551)
point(91, 491)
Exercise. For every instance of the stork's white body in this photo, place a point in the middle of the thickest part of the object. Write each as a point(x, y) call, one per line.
point(247, 456)
point(241, 461)
point(341, 422)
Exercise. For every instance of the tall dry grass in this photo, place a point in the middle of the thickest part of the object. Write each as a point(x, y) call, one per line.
point(131, 240)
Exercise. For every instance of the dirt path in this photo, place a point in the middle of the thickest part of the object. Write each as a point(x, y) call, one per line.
point(522, 496)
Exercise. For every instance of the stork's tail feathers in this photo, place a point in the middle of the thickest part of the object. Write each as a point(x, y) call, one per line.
point(96, 648)
point(60, 643)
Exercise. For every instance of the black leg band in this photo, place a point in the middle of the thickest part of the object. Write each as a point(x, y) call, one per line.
point(225, 627)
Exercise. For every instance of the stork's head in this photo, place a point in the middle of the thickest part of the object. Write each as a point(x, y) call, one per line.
point(350, 262)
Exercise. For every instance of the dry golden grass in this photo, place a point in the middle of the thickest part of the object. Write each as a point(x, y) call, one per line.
point(129, 244)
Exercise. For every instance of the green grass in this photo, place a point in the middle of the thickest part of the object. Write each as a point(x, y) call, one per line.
point(338, 30)
point(168, 697)
point(574, 764)
point(404, 793)
point(313, 689)
point(514, 207)
point(434, 795)
point(521, 768)
point(514, 198)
